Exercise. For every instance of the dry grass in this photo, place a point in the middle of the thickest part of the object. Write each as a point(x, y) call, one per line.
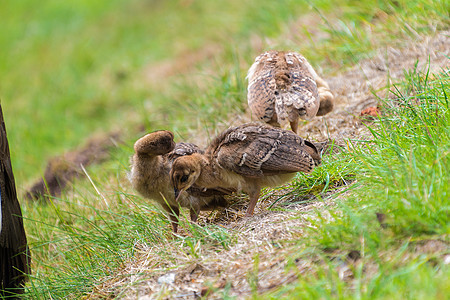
point(363, 86)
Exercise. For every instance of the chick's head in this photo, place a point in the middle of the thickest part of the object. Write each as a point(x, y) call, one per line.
point(185, 172)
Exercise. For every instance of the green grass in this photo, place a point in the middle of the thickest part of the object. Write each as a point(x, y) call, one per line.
point(77, 67)
point(402, 174)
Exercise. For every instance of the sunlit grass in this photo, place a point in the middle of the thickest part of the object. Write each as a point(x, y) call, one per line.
point(400, 201)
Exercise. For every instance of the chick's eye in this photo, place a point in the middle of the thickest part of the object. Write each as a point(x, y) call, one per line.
point(184, 178)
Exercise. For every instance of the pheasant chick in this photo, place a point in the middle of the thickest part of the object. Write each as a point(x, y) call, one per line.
point(283, 86)
point(246, 158)
point(150, 167)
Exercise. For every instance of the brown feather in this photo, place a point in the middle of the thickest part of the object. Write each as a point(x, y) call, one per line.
point(283, 87)
point(260, 150)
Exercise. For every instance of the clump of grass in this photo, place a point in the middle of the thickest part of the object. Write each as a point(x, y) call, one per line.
point(404, 166)
point(85, 244)
point(400, 200)
point(392, 280)
point(409, 158)
point(335, 171)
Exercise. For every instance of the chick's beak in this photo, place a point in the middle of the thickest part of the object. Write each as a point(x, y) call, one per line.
point(177, 193)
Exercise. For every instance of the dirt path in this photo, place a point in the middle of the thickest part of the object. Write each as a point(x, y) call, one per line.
point(260, 236)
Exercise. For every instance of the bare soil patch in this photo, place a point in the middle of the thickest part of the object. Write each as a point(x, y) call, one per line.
point(63, 169)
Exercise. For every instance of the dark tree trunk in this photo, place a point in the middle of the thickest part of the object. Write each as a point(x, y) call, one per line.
point(14, 253)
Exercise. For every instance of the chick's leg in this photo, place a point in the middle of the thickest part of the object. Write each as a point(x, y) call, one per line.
point(194, 214)
point(174, 216)
point(254, 196)
point(294, 126)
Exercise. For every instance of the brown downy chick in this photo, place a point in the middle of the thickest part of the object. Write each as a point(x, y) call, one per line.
point(248, 158)
point(151, 164)
point(283, 86)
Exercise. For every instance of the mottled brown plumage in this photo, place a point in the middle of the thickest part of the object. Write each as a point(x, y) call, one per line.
point(14, 253)
point(151, 163)
point(282, 87)
point(247, 158)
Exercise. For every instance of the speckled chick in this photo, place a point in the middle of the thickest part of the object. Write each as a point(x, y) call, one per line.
point(283, 87)
point(150, 167)
point(246, 158)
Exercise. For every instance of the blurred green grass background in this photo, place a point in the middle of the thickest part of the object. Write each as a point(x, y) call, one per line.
point(74, 67)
